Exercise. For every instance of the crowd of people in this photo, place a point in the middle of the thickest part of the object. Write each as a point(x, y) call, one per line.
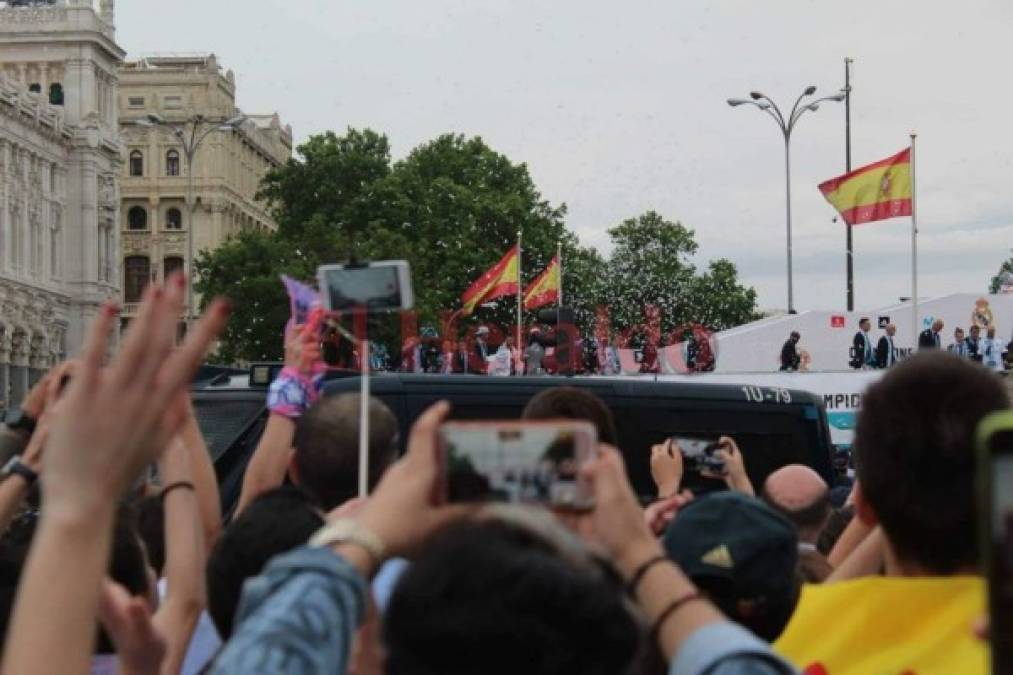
point(107, 567)
point(867, 353)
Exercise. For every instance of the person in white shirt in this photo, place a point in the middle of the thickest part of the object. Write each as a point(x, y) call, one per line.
point(959, 346)
point(992, 349)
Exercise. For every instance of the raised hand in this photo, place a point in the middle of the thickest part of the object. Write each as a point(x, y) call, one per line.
point(666, 467)
point(114, 421)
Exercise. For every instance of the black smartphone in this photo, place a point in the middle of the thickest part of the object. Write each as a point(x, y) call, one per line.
point(995, 489)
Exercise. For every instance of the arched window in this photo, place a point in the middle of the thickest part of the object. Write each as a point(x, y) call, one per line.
point(56, 94)
point(172, 163)
point(173, 219)
point(136, 163)
point(137, 218)
point(171, 265)
point(136, 275)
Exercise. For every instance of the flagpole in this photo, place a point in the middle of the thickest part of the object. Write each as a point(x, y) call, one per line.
point(559, 258)
point(520, 292)
point(914, 252)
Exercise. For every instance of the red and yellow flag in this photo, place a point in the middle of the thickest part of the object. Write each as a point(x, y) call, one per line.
point(544, 290)
point(875, 192)
point(500, 280)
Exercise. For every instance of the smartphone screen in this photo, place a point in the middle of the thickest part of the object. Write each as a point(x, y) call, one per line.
point(526, 462)
point(377, 287)
point(1000, 551)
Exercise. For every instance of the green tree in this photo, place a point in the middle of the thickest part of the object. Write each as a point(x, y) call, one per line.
point(650, 266)
point(246, 270)
point(719, 301)
point(1004, 276)
point(461, 204)
point(452, 208)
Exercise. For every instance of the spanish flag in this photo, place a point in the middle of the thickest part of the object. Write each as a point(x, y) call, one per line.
point(875, 192)
point(544, 290)
point(500, 280)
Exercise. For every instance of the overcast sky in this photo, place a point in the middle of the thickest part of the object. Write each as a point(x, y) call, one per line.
point(620, 107)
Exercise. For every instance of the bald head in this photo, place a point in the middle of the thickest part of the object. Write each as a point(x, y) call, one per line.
point(802, 495)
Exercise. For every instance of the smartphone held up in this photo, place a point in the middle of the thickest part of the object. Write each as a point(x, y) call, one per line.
point(518, 461)
point(381, 286)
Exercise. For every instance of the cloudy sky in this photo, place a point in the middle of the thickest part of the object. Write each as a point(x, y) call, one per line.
point(620, 107)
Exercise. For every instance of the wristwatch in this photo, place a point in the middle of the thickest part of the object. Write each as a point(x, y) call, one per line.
point(16, 418)
point(15, 467)
point(348, 531)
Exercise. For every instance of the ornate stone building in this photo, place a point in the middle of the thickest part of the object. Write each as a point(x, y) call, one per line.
point(227, 168)
point(59, 180)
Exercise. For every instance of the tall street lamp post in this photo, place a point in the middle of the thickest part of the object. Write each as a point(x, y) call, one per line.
point(787, 125)
point(191, 133)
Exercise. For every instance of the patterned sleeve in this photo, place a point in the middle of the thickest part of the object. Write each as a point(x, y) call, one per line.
point(297, 618)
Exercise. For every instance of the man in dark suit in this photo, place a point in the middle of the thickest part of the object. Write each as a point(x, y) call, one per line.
point(929, 338)
point(886, 352)
point(789, 353)
point(862, 354)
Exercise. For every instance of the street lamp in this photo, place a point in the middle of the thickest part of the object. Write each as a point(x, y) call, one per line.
point(787, 125)
point(191, 133)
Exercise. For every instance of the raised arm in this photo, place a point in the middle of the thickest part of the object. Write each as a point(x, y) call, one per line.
point(113, 422)
point(204, 479)
point(294, 390)
point(185, 557)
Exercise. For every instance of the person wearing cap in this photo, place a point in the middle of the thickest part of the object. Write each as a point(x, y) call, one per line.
point(790, 358)
point(742, 554)
point(482, 351)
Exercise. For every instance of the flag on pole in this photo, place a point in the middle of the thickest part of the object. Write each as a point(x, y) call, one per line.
point(500, 280)
point(875, 192)
point(544, 290)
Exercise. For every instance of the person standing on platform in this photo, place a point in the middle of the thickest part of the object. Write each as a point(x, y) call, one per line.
point(929, 338)
point(959, 346)
point(992, 350)
point(861, 348)
point(886, 351)
point(790, 358)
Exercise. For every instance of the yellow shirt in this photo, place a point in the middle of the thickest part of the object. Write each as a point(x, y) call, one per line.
point(888, 626)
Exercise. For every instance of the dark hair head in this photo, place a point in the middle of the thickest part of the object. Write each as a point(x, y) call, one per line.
point(864, 319)
point(274, 522)
point(576, 404)
point(326, 446)
point(914, 450)
point(501, 598)
point(795, 334)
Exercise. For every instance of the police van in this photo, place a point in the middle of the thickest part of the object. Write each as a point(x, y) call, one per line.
point(773, 426)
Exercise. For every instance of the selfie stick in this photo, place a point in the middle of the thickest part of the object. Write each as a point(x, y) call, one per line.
point(364, 419)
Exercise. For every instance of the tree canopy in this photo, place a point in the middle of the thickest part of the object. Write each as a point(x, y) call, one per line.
point(452, 207)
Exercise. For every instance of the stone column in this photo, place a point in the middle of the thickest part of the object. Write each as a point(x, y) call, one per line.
point(19, 383)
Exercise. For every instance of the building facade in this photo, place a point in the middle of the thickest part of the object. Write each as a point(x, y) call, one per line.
point(228, 166)
point(60, 163)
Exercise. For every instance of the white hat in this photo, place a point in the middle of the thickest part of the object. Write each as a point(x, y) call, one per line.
point(482, 330)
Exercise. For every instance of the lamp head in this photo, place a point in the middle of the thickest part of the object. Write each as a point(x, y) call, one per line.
point(810, 90)
point(756, 95)
point(736, 101)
